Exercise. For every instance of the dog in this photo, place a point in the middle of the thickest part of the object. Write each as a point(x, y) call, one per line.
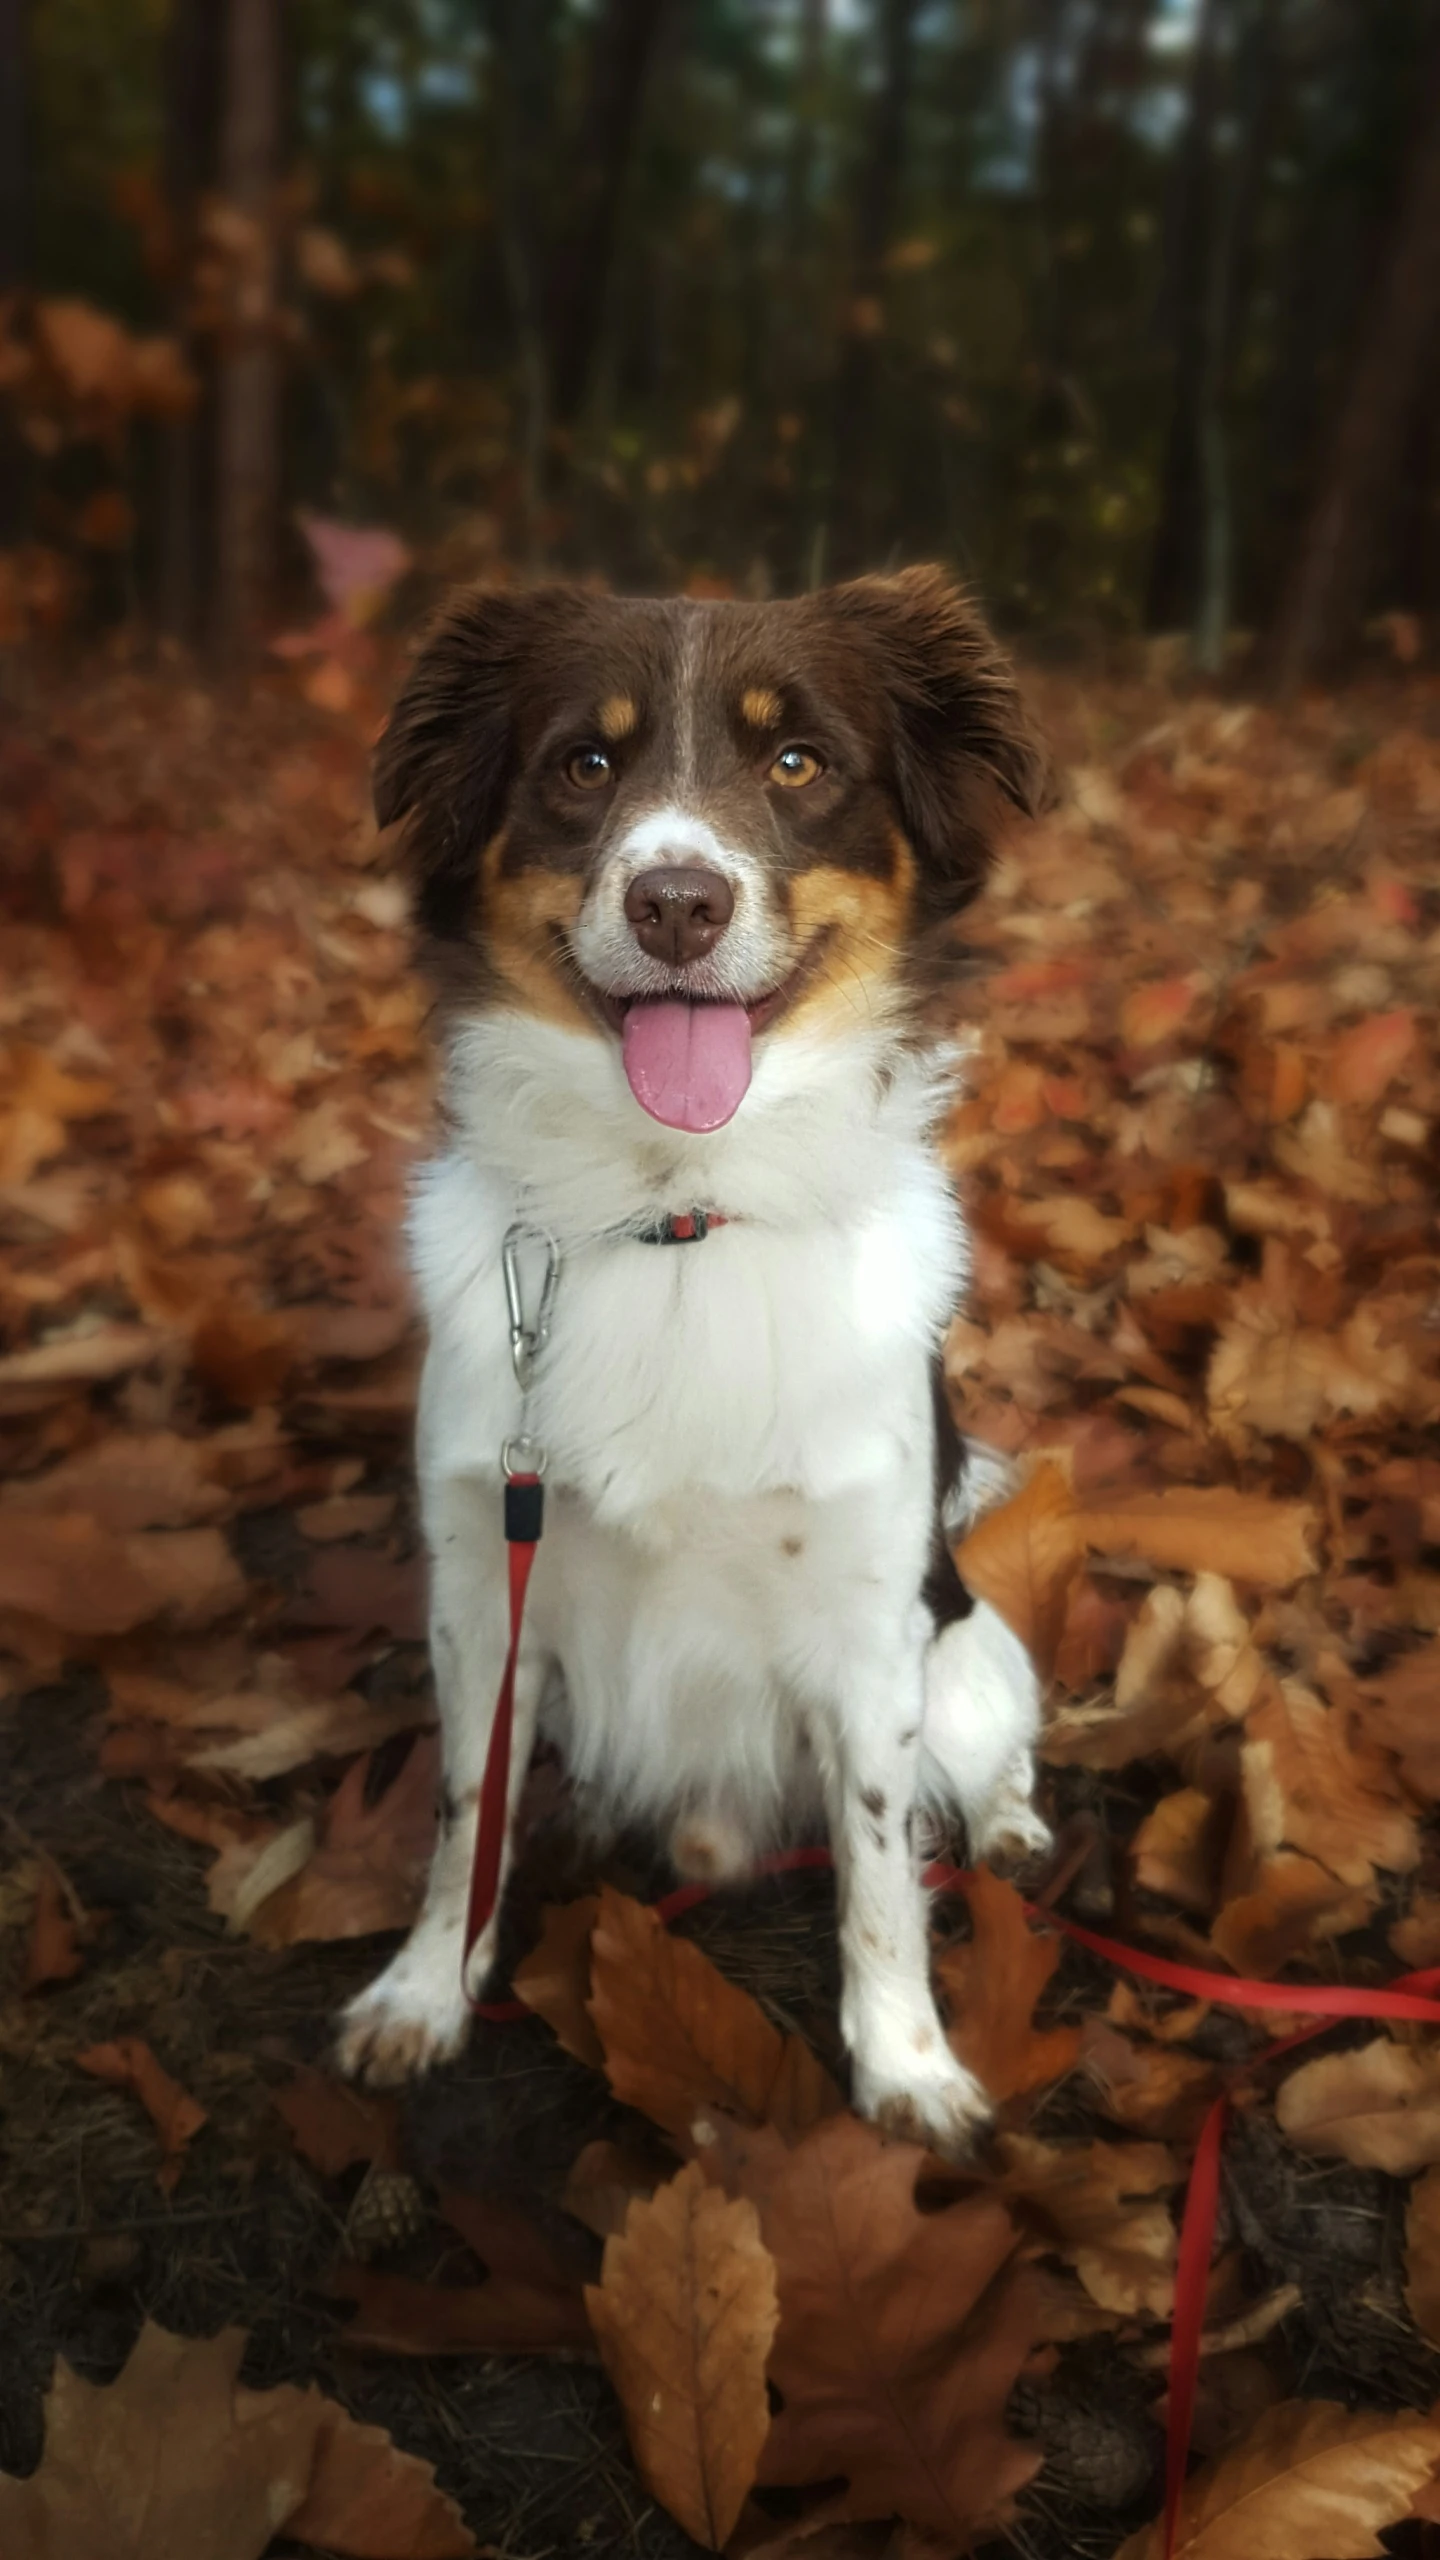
point(686, 874)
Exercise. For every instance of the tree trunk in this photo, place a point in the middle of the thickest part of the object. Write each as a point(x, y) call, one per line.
point(248, 372)
point(1326, 592)
point(522, 37)
point(192, 91)
point(855, 514)
point(621, 50)
point(15, 233)
point(1175, 549)
point(1237, 196)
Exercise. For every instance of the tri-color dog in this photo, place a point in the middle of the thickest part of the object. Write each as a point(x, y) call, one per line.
point(686, 873)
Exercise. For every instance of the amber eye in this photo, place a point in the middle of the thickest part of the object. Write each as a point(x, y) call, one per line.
point(590, 770)
point(794, 767)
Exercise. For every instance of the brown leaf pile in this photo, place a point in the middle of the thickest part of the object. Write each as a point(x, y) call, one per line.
point(1198, 1140)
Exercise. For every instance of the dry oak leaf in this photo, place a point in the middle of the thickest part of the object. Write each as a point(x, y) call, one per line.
point(1175, 1850)
point(554, 1979)
point(506, 2316)
point(53, 1952)
point(1023, 1556)
point(129, 1480)
point(604, 2181)
point(680, 2039)
point(1244, 1537)
point(992, 1983)
point(901, 2333)
point(128, 2063)
point(46, 1371)
point(63, 1567)
point(1101, 2199)
point(176, 2456)
point(1270, 1376)
point(369, 1870)
point(1404, 1717)
point(333, 2126)
point(1289, 1903)
point(1311, 2481)
point(1307, 1788)
point(1378, 2106)
point(684, 2315)
point(1422, 2255)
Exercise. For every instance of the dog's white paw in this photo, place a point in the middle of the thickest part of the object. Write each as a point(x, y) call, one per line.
point(1010, 1832)
point(415, 2016)
point(710, 1848)
point(930, 2098)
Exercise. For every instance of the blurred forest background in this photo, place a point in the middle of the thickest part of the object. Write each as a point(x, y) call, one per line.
point(1125, 306)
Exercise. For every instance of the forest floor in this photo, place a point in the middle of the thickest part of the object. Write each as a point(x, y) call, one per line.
point(1200, 1150)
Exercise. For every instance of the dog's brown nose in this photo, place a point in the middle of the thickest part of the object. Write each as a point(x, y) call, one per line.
point(678, 914)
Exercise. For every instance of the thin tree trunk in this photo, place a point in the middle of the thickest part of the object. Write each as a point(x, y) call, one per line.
point(1236, 206)
point(622, 48)
point(1326, 592)
point(192, 86)
point(15, 232)
point(855, 512)
point(1173, 555)
point(248, 373)
point(522, 36)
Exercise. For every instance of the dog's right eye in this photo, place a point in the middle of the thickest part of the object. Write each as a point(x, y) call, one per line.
point(590, 770)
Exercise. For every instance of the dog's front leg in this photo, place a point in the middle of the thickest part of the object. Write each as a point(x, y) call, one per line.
point(905, 2075)
point(417, 2014)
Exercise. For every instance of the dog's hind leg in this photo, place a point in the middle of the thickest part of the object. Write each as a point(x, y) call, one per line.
point(982, 1718)
point(416, 2013)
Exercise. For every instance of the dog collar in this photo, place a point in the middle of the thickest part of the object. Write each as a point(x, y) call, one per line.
point(685, 1226)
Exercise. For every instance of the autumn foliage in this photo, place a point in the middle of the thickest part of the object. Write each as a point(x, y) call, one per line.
point(1197, 1137)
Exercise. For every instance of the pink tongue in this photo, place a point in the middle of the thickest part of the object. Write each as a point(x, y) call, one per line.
point(688, 1064)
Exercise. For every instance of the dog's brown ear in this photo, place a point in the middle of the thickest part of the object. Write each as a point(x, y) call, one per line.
point(447, 758)
point(960, 735)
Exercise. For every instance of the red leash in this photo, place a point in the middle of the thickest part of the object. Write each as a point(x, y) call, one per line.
point(1408, 1997)
point(524, 1520)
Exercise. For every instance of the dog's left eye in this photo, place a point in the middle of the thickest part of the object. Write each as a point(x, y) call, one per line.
point(794, 767)
point(590, 770)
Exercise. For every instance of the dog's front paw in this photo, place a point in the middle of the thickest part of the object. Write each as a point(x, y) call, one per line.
point(415, 2016)
point(933, 2099)
point(1010, 1833)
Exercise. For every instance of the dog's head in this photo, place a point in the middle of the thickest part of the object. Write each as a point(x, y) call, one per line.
point(682, 828)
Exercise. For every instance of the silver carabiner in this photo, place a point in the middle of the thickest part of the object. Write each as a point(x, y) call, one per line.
point(527, 1341)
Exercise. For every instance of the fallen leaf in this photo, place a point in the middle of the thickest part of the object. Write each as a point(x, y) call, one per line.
point(554, 1979)
point(131, 1480)
point(1366, 1060)
point(1311, 2481)
point(176, 2456)
point(53, 1952)
point(1101, 2201)
point(1206, 1529)
point(63, 1567)
point(603, 2183)
point(128, 2063)
point(1308, 1788)
point(1378, 2106)
point(1022, 1557)
point(397, 2316)
point(901, 2333)
point(333, 2126)
point(679, 2038)
point(368, 1872)
point(1291, 1903)
point(1175, 1849)
point(684, 2315)
point(992, 1984)
point(1422, 2255)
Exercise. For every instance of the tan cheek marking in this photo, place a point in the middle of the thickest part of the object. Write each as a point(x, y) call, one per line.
point(619, 718)
point(516, 914)
point(868, 919)
point(760, 707)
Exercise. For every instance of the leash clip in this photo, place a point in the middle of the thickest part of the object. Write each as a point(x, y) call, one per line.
point(527, 1341)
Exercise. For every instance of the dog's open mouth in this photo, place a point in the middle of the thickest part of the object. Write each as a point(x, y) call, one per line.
point(688, 1058)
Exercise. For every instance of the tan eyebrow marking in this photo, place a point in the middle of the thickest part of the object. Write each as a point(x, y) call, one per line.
point(619, 718)
point(760, 707)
